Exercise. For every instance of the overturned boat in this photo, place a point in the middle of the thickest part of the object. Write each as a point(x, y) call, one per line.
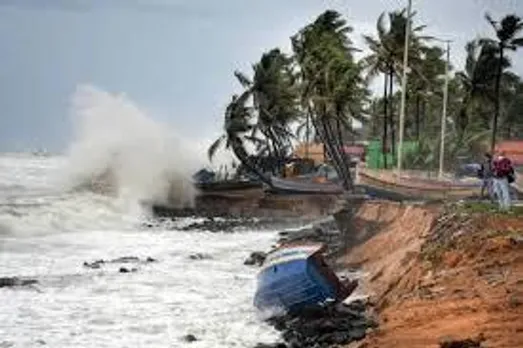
point(296, 276)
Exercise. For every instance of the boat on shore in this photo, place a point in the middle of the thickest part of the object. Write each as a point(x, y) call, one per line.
point(230, 185)
point(296, 276)
point(297, 186)
point(421, 188)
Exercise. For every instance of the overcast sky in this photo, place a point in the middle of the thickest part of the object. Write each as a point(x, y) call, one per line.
point(174, 58)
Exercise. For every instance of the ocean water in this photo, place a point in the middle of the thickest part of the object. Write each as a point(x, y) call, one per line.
point(47, 232)
point(58, 212)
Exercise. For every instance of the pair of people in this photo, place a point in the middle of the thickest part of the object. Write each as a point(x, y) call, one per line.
point(498, 173)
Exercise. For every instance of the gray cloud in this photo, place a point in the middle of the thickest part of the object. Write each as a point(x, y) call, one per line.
point(85, 6)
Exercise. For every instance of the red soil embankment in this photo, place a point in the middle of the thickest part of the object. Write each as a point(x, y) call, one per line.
point(434, 275)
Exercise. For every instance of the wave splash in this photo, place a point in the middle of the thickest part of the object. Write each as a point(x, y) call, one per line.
point(118, 150)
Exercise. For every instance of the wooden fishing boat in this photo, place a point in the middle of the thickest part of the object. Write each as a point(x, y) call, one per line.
point(303, 186)
point(296, 276)
point(421, 188)
point(231, 185)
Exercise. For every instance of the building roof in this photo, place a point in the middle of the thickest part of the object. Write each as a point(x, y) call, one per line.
point(510, 146)
point(513, 150)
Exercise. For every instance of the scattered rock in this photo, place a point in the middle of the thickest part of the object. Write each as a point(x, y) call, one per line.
point(127, 270)
point(9, 282)
point(449, 342)
point(94, 265)
point(125, 259)
point(256, 258)
point(200, 256)
point(211, 224)
point(190, 338)
point(274, 345)
point(336, 324)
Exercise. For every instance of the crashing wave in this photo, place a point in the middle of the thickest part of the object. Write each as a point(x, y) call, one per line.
point(118, 150)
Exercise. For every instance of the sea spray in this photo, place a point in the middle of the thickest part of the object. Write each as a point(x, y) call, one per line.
point(119, 150)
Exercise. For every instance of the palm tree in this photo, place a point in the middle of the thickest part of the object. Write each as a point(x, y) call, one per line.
point(478, 80)
point(330, 84)
point(237, 125)
point(512, 94)
point(386, 58)
point(274, 101)
point(507, 31)
point(426, 80)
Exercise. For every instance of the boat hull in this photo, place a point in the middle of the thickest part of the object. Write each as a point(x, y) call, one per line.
point(287, 186)
point(296, 276)
point(291, 286)
point(421, 188)
point(213, 187)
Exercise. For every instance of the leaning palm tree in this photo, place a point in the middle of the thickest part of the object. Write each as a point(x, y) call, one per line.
point(507, 31)
point(237, 126)
point(274, 102)
point(478, 79)
point(330, 84)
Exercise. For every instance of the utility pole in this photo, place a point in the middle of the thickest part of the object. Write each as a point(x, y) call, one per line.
point(444, 114)
point(404, 87)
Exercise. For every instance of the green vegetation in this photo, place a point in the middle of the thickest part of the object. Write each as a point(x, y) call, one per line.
point(485, 207)
point(322, 89)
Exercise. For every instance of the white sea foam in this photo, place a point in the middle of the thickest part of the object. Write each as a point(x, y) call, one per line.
point(48, 235)
point(118, 149)
point(47, 231)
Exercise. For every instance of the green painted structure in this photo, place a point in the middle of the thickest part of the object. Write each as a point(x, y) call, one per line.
point(374, 154)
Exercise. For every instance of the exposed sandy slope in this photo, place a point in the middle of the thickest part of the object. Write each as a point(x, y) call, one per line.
point(459, 277)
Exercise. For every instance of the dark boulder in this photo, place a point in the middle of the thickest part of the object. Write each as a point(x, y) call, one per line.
point(256, 258)
point(200, 256)
point(190, 338)
point(9, 282)
point(274, 345)
point(124, 259)
point(449, 342)
point(324, 326)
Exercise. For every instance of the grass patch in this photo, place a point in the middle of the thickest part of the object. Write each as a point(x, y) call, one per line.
point(485, 207)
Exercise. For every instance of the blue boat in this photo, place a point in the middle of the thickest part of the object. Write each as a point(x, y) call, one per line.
point(296, 276)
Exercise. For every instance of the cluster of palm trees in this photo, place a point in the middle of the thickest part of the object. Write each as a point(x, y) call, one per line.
point(322, 89)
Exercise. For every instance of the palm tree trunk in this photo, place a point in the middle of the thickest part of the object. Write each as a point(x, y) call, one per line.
point(385, 118)
point(335, 148)
point(241, 154)
point(391, 121)
point(497, 100)
point(345, 158)
point(307, 133)
point(324, 130)
point(423, 113)
point(278, 150)
point(417, 116)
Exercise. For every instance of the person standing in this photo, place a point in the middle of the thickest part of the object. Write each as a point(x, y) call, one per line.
point(503, 175)
point(486, 175)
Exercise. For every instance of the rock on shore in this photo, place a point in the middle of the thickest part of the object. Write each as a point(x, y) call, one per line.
point(323, 326)
point(11, 282)
point(120, 260)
